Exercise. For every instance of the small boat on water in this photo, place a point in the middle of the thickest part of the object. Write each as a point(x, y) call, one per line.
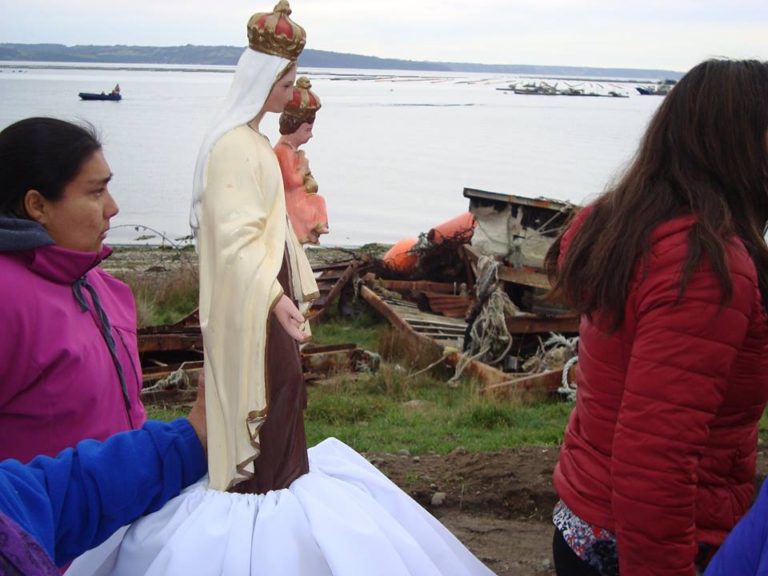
point(114, 95)
point(542, 88)
point(658, 89)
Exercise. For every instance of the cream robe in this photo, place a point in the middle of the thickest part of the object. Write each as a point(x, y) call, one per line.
point(241, 240)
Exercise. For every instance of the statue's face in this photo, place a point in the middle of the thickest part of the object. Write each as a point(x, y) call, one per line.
point(304, 133)
point(281, 92)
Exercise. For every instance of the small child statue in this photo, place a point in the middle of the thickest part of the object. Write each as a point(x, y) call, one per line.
point(306, 208)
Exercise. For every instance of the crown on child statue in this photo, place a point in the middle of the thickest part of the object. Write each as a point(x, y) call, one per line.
point(275, 33)
point(304, 103)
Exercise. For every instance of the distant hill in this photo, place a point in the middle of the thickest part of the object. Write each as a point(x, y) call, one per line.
point(228, 55)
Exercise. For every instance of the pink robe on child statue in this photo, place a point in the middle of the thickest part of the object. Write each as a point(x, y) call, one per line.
point(306, 208)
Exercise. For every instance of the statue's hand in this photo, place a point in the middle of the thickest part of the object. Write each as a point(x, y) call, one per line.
point(290, 318)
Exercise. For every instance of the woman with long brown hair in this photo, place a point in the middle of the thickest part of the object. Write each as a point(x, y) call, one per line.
point(669, 269)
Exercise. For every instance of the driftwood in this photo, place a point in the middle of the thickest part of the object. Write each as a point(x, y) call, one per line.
point(547, 383)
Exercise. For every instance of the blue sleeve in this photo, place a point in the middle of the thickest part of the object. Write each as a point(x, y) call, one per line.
point(745, 551)
point(75, 501)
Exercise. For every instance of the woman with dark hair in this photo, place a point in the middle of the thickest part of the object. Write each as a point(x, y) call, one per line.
point(669, 269)
point(69, 366)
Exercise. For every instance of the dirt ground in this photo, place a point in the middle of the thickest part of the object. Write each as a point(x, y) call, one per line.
point(498, 504)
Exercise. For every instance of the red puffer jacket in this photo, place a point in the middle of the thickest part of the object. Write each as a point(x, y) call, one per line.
point(661, 445)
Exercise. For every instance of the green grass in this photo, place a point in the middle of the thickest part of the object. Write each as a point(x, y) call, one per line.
point(373, 414)
point(763, 438)
point(163, 413)
point(163, 299)
point(370, 411)
point(363, 329)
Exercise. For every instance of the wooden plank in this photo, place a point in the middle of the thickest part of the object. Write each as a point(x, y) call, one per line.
point(443, 336)
point(170, 342)
point(323, 349)
point(427, 322)
point(328, 277)
point(484, 373)
point(437, 327)
point(546, 382)
point(450, 305)
point(543, 384)
point(401, 303)
point(532, 324)
point(397, 322)
point(319, 306)
point(193, 370)
point(452, 288)
point(487, 375)
point(524, 276)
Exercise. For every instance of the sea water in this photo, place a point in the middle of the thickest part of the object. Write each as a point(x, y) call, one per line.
point(392, 151)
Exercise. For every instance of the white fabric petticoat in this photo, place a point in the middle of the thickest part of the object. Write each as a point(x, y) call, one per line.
point(343, 518)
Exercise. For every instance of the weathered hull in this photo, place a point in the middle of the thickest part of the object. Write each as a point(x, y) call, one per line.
point(90, 96)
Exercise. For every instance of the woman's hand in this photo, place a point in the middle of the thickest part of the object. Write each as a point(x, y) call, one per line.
point(290, 318)
point(196, 416)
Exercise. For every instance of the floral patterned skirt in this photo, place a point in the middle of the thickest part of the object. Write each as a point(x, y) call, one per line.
point(595, 545)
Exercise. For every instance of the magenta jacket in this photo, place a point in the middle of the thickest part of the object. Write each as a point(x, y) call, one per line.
point(69, 363)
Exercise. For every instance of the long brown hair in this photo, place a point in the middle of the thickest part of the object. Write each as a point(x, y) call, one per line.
point(705, 153)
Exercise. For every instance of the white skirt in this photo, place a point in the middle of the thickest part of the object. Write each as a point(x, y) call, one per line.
point(343, 518)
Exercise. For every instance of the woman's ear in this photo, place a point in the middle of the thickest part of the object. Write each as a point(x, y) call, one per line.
point(34, 205)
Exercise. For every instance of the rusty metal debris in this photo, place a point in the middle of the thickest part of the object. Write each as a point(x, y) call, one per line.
point(514, 233)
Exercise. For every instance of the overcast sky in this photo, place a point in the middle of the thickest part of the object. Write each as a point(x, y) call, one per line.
point(669, 34)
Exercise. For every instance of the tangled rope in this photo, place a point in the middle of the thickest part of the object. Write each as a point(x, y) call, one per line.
point(568, 389)
point(558, 352)
point(488, 338)
point(176, 380)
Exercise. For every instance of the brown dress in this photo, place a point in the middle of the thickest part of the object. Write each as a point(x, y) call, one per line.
point(283, 455)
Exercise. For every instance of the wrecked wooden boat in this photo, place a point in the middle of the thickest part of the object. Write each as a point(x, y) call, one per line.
point(474, 299)
point(509, 237)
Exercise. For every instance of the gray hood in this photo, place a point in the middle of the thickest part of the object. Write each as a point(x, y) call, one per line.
point(22, 234)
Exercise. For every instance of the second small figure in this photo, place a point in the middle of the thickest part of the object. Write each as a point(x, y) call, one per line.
point(306, 208)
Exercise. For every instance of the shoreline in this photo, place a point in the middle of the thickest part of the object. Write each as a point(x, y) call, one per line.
point(156, 259)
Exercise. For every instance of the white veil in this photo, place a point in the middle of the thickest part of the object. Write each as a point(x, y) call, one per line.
point(255, 75)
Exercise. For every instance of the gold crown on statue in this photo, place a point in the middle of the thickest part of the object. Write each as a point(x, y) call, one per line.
point(304, 103)
point(275, 33)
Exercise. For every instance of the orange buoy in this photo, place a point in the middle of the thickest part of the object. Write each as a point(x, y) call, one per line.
point(400, 257)
point(463, 224)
